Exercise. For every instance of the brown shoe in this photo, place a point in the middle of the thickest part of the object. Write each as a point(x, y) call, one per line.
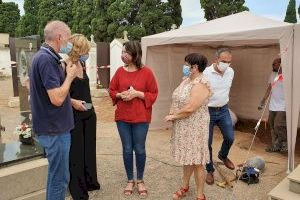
point(227, 162)
point(210, 178)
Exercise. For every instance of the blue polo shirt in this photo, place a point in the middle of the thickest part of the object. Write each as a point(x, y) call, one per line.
point(45, 74)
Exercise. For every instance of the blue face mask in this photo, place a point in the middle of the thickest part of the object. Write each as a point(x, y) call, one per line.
point(84, 58)
point(186, 70)
point(67, 49)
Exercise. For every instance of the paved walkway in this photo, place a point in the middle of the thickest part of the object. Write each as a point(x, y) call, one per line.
point(163, 175)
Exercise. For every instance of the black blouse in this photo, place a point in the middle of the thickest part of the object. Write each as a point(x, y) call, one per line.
point(80, 88)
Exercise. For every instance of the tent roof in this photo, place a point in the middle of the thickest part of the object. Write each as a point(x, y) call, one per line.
point(237, 27)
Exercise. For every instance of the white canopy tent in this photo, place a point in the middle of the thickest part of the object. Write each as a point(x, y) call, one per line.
point(254, 41)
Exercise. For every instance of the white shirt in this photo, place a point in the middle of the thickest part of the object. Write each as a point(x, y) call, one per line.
point(220, 85)
point(277, 102)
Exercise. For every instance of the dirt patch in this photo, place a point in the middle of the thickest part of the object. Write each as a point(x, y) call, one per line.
point(104, 109)
point(263, 133)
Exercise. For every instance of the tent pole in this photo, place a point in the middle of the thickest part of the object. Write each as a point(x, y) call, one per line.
point(291, 149)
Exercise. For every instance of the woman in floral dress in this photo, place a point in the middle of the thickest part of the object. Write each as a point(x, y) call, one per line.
point(190, 117)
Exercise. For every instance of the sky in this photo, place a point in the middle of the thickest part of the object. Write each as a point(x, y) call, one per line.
point(192, 12)
point(274, 9)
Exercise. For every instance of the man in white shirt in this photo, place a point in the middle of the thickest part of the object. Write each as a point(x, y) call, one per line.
point(220, 76)
point(277, 115)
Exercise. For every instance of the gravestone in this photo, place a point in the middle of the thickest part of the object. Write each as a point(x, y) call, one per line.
point(14, 71)
point(116, 47)
point(25, 48)
point(91, 64)
point(15, 151)
point(103, 71)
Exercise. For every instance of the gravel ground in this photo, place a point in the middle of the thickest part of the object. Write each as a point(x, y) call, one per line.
point(162, 174)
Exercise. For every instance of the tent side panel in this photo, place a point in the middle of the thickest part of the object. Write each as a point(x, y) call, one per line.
point(286, 53)
point(157, 60)
point(252, 67)
point(296, 85)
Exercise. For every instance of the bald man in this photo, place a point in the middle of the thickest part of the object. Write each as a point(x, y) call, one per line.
point(277, 115)
point(52, 116)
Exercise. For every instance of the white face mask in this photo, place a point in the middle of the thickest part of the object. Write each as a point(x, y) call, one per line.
point(223, 66)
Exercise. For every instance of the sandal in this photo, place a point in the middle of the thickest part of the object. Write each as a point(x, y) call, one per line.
point(203, 198)
point(142, 193)
point(179, 194)
point(127, 192)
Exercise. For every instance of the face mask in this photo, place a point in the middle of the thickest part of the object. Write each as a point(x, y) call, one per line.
point(126, 59)
point(186, 70)
point(223, 66)
point(84, 58)
point(67, 49)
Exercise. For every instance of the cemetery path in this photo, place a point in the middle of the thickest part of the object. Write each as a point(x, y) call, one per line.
point(162, 174)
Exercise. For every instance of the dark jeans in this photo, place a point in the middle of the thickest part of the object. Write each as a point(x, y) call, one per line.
point(83, 167)
point(133, 137)
point(220, 117)
point(277, 121)
point(57, 151)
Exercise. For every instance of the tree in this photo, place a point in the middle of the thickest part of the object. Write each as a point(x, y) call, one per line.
point(155, 16)
point(105, 19)
point(99, 23)
point(142, 17)
point(175, 10)
point(219, 8)
point(83, 13)
point(9, 17)
point(31, 6)
point(54, 10)
point(29, 24)
point(290, 15)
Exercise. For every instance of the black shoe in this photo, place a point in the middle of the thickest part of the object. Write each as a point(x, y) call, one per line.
point(93, 187)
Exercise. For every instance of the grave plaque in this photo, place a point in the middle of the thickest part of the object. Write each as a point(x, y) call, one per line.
point(13, 151)
point(25, 47)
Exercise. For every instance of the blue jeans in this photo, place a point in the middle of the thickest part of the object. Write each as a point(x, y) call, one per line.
point(133, 137)
point(57, 149)
point(221, 118)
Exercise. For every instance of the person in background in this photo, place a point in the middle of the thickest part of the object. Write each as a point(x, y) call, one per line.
point(83, 167)
point(220, 76)
point(50, 102)
point(277, 114)
point(133, 90)
point(190, 117)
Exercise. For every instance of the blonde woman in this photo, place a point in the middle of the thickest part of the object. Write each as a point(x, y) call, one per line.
point(83, 170)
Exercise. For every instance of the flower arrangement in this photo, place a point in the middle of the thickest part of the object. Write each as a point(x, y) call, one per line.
point(25, 134)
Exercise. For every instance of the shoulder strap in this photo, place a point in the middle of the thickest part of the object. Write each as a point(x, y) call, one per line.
point(83, 65)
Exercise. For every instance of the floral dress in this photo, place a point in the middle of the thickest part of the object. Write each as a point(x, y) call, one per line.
point(189, 141)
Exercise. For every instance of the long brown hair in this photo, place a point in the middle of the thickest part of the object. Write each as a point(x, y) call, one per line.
point(134, 49)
